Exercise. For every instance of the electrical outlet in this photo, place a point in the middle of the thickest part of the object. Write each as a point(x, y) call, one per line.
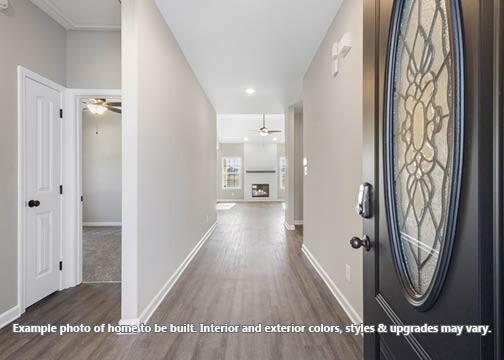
point(348, 273)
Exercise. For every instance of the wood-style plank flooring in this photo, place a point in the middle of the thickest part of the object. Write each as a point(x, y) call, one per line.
point(250, 271)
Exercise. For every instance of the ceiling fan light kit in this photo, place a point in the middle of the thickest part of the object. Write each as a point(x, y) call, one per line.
point(264, 131)
point(96, 109)
point(100, 106)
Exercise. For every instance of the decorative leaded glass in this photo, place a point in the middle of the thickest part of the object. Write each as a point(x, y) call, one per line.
point(424, 139)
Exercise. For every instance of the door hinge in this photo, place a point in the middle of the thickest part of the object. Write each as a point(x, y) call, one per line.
point(82, 198)
point(61, 189)
point(61, 265)
point(61, 113)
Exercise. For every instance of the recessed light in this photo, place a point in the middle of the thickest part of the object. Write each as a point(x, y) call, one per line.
point(275, 139)
point(245, 139)
point(250, 91)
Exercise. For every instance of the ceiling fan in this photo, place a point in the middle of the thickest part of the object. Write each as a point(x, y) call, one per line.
point(264, 131)
point(100, 106)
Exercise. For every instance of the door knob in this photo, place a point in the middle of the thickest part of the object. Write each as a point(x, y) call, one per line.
point(357, 243)
point(33, 203)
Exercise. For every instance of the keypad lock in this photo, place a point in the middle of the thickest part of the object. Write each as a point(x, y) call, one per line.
point(363, 207)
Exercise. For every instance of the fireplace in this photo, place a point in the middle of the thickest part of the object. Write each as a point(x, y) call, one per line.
point(260, 190)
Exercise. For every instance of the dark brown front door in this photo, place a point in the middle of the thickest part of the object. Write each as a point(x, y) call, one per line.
point(428, 72)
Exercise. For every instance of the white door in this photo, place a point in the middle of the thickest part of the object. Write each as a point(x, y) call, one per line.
point(42, 183)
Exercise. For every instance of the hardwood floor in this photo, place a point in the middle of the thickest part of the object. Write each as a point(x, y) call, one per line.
point(250, 271)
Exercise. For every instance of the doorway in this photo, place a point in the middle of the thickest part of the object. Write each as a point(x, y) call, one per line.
point(101, 181)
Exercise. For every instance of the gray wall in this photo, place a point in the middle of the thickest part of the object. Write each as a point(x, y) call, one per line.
point(101, 167)
point(298, 166)
point(35, 41)
point(173, 151)
point(333, 145)
point(295, 171)
point(229, 150)
point(94, 59)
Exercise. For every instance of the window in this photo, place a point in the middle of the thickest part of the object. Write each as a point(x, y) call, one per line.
point(231, 173)
point(283, 172)
point(423, 144)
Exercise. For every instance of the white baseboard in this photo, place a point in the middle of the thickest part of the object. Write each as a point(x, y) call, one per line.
point(249, 200)
point(289, 227)
point(153, 305)
point(343, 301)
point(101, 224)
point(298, 222)
point(9, 316)
point(129, 322)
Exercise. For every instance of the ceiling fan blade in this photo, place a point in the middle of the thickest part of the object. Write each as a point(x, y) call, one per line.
point(116, 104)
point(274, 131)
point(113, 109)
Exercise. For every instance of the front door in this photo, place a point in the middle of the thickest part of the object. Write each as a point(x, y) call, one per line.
point(42, 148)
point(428, 159)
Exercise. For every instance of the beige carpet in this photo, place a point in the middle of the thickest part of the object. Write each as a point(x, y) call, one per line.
point(101, 254)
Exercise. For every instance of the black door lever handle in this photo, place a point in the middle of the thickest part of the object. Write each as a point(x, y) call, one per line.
point(33, 203)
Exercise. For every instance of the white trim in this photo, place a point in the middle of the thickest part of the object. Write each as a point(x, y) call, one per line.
point(23, 74)
point(51, 9)
point(101, 224)
point(9, 316)
point(289, 227)
point(250, 201)
point(343, 301)
point(129, 322)
point(156, 301)
point(72, 178)
point(298, 222)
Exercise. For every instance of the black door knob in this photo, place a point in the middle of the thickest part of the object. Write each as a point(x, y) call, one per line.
point(33, 203)
point(357, 243)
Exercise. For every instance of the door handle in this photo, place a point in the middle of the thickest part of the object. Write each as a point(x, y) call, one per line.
point(33, 203)
point(357, 243)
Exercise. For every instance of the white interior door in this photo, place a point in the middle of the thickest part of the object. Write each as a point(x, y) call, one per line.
point(42, 189)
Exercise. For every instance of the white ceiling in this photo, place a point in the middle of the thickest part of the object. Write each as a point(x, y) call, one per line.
point(235, 44)
point(234, 128)
point(83, 15)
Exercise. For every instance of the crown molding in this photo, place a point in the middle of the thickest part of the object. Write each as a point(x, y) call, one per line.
point(51, 9)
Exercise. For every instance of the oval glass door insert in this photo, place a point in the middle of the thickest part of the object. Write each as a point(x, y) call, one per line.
point(423, 143)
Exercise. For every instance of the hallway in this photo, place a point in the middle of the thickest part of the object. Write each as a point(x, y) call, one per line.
point(250, 271)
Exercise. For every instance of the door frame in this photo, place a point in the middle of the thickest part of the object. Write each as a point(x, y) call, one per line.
point(71, 154)
point(73, 178)
point(24, 74)
point(498, 124)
